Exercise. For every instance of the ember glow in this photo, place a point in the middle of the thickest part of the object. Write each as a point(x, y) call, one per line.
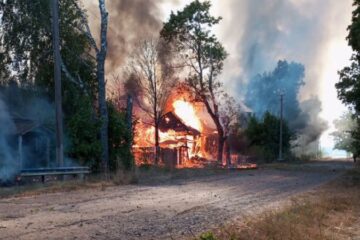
point(187, 113)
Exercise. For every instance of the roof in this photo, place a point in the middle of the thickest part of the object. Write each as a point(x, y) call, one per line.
point(24, 126)
point(171, 122)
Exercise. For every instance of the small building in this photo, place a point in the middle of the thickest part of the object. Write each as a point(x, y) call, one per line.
point(31, 142)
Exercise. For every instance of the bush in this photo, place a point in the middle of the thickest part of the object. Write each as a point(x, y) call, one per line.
point(207, 236)
point(120, 140)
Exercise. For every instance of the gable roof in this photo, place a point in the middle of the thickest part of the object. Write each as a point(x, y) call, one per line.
point(172, 122)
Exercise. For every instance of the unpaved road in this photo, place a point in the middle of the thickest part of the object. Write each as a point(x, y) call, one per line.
point(174, 210)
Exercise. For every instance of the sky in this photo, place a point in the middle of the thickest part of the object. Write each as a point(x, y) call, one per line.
point(312, 32)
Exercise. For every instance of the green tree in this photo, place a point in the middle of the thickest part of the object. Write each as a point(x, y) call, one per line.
point(263, 135)
point(346, 136)
point(189, 31)
point(348, 87)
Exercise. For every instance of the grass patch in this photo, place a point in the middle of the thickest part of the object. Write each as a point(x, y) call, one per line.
point(332, 212)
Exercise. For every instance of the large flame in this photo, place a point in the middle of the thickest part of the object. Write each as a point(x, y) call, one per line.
point(186, 112)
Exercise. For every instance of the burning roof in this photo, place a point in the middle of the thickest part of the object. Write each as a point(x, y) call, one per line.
point(171, 122)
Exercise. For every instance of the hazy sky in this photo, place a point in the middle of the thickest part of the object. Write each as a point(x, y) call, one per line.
point(311, 32)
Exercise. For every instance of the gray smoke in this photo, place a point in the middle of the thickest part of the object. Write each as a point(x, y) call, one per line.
point(271, 30)
point(129, 22)
point(23, 112)
point(7, 158)
point(295, 30)
point(308, 138)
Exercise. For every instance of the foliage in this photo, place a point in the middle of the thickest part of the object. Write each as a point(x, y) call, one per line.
point(348, 88)
point(263, 91)
point(347, 137)
point(27, 42)
point(189, 31)
point(27, 59)
point(207, 236)
point(82, 129)
point(119, 140)
point(263, 135)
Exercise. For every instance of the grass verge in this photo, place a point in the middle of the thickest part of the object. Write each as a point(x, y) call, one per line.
point(332, 212)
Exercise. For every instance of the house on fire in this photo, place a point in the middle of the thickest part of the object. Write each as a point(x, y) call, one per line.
point(177, 141)
point(182, 139)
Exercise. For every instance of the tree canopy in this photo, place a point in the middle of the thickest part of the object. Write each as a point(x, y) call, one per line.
point(190, 32)
point(263, 135)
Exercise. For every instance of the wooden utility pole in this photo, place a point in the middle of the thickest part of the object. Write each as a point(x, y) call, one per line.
point(281, 127)
point(57, 79)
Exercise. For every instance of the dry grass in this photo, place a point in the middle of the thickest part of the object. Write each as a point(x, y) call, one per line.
point(332, 212)
point(52, 187)
point(151, 175)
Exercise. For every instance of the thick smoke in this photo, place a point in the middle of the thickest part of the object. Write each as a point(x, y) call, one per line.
point(129, 22)
point(263, 94)
point(270, 30)
point(307, 141)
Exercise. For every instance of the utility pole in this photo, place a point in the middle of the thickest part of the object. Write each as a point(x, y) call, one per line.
point(281, 126)
point(57, 79)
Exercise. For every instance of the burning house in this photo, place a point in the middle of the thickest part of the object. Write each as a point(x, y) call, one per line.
point(186, 133)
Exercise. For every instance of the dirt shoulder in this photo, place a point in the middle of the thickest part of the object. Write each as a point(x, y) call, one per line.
point(331, 211)
point(172, 207)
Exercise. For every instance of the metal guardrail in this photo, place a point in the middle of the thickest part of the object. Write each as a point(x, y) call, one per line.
point(54, 171)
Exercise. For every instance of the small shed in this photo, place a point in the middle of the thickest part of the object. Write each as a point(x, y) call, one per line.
point(32, 141)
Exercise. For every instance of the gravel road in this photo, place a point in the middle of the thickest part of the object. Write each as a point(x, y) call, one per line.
point(173, 210)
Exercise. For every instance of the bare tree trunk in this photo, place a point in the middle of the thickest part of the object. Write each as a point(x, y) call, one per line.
point(157, 142)
point(221, 140)
point(221, 143)
point(129, 122)
point(227, 153)
point(100, 72)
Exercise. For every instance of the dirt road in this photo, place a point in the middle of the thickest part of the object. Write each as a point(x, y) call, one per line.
point(173, 210)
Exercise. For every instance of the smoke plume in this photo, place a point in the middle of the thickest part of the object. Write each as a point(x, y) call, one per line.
point(129, 22)
point(269, 30)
